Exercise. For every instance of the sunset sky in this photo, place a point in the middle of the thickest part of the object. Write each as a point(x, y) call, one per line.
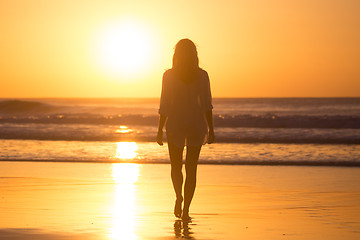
point(93, 48)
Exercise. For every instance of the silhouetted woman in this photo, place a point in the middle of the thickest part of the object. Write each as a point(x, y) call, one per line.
point(186, 107)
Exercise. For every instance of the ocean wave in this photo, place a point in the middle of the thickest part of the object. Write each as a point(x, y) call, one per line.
point(145, 114)
point(142, 152)
point(249, 121)
point(10, 107)
point(114, 133)
point(294, 121)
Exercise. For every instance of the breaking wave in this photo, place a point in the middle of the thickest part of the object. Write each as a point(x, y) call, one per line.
point(16, 111)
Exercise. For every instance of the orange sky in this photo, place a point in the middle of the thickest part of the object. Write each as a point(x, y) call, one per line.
point(278, 48)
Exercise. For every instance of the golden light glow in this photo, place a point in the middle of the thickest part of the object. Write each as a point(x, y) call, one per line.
point(124, 129)
point(125, 175)
point(123, 48)
point(126, 150)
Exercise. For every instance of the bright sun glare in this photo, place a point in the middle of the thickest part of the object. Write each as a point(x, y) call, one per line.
point(123, 48)
point(126, 150)
point(125, 176)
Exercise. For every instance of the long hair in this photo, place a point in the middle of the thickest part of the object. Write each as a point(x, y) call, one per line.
point(185, 60)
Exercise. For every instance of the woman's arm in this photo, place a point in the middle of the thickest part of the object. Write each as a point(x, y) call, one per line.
point(209, 119)
point(207, 103)
point(159, 138)
point(164, 108)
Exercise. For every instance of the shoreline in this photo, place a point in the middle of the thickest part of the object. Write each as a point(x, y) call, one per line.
point(228, 163)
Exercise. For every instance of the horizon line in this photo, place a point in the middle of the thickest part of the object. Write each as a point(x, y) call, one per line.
point(8, 98)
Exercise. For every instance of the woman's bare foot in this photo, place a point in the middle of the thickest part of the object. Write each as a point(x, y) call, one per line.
point(185, 217)
point(177, 208)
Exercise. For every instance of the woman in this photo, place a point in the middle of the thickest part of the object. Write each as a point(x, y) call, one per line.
point(186, 108)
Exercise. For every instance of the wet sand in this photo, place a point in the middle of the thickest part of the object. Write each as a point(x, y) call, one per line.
point(135, 201)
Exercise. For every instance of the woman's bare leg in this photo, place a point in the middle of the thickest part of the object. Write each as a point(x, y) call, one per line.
point(175, 154)
point(192, 157)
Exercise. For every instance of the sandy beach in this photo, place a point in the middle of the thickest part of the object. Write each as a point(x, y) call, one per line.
point(135, 201)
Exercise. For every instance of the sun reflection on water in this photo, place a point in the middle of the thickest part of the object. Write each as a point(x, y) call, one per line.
point(125, 175)
point(124, 129)
point(126, 150)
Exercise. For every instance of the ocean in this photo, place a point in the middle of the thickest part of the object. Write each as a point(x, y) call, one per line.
point(264, 131)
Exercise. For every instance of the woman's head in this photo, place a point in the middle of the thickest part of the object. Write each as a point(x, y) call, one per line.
point(185, 56)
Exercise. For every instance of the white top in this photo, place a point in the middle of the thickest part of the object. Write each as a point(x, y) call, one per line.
point(185, 105)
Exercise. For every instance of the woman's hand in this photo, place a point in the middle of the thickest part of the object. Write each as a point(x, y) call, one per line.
point(159, 138)
point(209, 119)
point(211, 138)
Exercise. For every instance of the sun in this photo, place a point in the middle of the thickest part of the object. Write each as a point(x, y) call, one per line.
point(123, 49)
